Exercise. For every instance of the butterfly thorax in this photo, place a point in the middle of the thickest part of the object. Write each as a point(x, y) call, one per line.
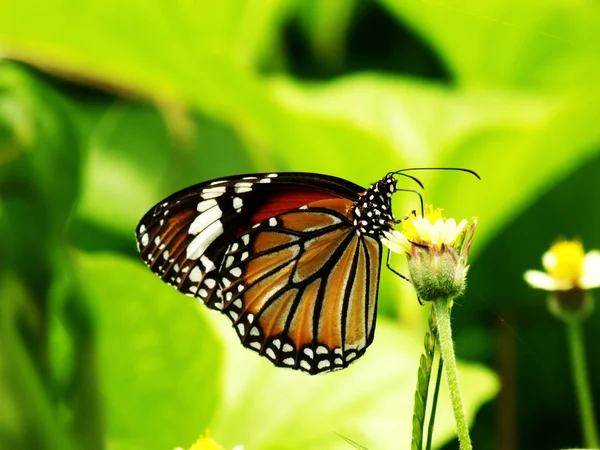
point(372, 213)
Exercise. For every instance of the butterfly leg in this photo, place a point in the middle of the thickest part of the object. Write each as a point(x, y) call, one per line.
point(387, 264)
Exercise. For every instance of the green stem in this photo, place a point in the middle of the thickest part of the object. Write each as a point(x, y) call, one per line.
point(582, 383)
point(442, 313)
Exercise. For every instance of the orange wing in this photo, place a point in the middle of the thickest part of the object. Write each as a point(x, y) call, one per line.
point(301, 287)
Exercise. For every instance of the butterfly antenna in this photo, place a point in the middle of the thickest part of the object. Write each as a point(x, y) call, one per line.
point(415, 179)
point(459, 169)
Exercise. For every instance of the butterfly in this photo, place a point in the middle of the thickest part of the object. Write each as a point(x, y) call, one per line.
point(292, 258)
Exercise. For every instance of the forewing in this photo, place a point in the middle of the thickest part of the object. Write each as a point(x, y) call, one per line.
point(183, 239)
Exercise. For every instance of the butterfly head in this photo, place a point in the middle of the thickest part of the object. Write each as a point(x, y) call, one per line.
point(372, 213)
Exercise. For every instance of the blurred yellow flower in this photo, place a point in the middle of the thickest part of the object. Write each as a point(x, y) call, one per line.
point(567, 267)
point(207, 443)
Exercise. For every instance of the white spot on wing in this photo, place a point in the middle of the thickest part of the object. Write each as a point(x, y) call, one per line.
point(207, 263)
point(237, 203)
point(195, 275)
point(213, 192)
point(243, 187)
point(206, 204)
point(236, 272)
point(323, 364)
point(204, 220)
point(145, 239)
point(198, 246)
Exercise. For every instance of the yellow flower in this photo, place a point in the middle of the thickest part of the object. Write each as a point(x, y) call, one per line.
point(207, 443)
point(567, 267)
point(437, 249)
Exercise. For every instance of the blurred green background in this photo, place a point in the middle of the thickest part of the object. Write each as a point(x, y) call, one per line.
point(108, 106)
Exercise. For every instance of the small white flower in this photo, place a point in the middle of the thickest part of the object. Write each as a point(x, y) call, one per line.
point(437, 250)
point(567, 267)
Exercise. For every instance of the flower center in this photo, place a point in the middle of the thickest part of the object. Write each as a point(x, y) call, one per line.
point(565, 260)
point(416, 229)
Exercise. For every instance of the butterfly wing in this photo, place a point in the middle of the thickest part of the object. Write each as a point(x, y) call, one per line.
point(301, 287)
point(183, 238)
point(279, 255)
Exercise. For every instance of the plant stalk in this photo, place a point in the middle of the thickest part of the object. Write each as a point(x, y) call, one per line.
point(582, 383)
point(442, 307)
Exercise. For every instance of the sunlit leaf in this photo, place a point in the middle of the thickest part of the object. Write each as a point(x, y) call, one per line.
point(510, 43)
point(500, 134)
point(371, 402)
point(160, 364)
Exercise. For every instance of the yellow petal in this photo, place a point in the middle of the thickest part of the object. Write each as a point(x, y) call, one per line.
point(564, 260)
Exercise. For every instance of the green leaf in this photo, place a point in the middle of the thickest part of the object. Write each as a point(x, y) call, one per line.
point(39, 173)
point(423, 381)
point(28, 416)
point(326, 23)
point(370, 402)
point(510, 43)
point(160, 363)
point(502, 134)
point(128, 147)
